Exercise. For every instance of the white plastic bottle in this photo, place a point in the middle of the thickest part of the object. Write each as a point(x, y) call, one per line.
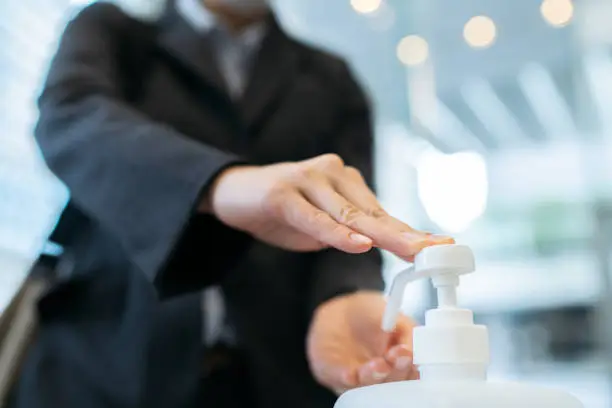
point(452, 353)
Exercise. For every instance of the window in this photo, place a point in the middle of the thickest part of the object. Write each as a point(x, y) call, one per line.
point(30, 197)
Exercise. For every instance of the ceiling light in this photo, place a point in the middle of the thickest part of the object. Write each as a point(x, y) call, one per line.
point(480, 32)
point(412, 50)
point(557, 13)
point(366, 6)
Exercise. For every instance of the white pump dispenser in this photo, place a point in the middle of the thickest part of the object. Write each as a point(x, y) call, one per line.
point(452, 353)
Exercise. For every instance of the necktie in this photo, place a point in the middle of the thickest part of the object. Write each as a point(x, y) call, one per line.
point(232, 59)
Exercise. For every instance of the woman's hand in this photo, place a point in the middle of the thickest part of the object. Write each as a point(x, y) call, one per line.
point(311, 205)
point(347, 348)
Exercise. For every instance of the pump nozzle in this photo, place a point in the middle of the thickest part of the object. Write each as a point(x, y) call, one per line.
point(443, 264)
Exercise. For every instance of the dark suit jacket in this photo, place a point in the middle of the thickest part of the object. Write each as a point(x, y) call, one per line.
point(135, 120)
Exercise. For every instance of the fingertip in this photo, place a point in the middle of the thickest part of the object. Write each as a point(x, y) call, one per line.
point(441, 239)
point(349, 378)
point(416, 241)
point(402, 350)
point(355, 244)
point(400, 357)
point(404, 329)
point(360, 239)
point(374, 372)
point(353, 249)
point(378, 364)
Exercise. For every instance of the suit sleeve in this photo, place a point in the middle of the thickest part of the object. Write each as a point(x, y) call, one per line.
point(337, 273)
point(138, 179)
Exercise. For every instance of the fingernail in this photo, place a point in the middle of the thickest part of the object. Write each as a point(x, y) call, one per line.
point(361, 239)
point(427, 239)
point(379, 376)
point(403, 363)
point(437, 237)
point(414, 238)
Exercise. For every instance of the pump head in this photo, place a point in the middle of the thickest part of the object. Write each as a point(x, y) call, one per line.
point(443, 264)
point(449, 345)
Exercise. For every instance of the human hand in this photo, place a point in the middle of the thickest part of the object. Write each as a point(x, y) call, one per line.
point(311, 205)
point(347, 348)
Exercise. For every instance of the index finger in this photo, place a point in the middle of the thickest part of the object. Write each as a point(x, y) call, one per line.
point(306, 218)
point(326, 198)
point(352, 186)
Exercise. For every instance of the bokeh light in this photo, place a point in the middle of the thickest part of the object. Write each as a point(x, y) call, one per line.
point(366, 6)
point(412, 50)
point(557, 13)
point(480, 32)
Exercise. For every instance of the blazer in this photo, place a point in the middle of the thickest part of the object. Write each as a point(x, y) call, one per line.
point(136, 121)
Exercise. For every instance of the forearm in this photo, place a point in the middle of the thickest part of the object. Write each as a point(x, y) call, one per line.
point(140, 180)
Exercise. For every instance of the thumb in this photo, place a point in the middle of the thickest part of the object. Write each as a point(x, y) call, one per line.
point(402, 333)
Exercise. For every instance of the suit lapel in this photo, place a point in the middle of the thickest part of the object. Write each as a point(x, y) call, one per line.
point(274, 68)
point(191, 49)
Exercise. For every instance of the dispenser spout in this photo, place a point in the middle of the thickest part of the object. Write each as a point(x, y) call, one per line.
point(396, 296)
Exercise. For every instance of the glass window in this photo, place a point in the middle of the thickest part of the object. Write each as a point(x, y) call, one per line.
point(30, 197)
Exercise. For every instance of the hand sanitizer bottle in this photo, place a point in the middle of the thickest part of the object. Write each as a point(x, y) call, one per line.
point(452, 353)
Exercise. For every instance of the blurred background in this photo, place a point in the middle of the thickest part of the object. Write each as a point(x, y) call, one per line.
point(494, 123)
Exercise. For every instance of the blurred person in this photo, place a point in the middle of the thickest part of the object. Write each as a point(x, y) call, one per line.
point(210, 148)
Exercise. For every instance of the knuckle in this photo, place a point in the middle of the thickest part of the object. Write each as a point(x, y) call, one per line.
point(332, 161)
point(349, 215)
point(275, 201)
point(353, 173)
point(377, 213)
point(317, 217)
point(304, 174)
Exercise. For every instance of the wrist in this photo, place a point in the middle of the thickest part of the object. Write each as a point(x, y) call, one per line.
point(207, 205)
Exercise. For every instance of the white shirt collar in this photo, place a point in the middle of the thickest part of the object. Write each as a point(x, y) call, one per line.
point(194, 12)
point(202, 20)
